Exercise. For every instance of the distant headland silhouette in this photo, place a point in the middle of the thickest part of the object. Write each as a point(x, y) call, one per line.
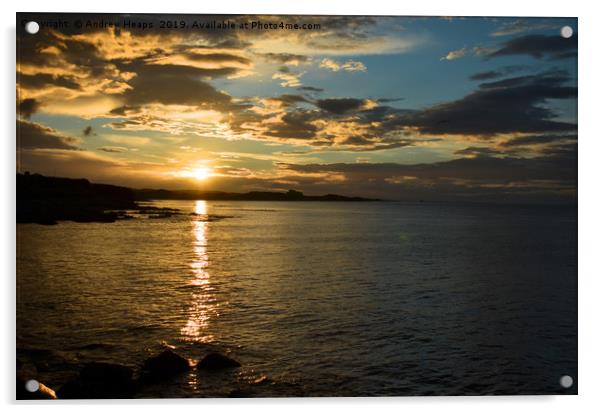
point(47, 200)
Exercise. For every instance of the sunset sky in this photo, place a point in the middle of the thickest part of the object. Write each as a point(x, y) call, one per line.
point(391, 107)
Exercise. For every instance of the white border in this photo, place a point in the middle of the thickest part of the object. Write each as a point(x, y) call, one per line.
point(590, 198)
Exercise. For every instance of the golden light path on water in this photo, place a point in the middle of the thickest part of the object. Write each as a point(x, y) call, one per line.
point(202, 307)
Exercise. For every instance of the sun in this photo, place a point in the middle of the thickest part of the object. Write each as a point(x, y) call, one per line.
point(201, 173)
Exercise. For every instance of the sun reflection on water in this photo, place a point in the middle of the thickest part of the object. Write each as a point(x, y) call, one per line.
point(203, 306)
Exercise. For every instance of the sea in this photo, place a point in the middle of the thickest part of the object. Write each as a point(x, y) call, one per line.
point(312, 298)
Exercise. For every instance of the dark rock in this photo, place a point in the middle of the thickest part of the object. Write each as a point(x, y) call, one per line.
point(163, 366)
point(100, 381)
point(240, 394)
point(216, 361)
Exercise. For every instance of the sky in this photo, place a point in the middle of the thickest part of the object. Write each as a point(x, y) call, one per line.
point(400, 108)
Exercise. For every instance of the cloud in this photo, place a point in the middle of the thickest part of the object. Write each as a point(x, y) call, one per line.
point(344, 105)
point(288, 77)
point(213, 62)
point(310, 89)
point(538, 140)
point(293, 125)
point(456, 54)
point(506, 106)
point(88, 130)
point(32, 135)
point(520, 26)
point(489, 74)
point(348, 66)
point(389, 100)
point(493, 74)
point(286, 58)
point(465, 51)
point(548, 178)
point(27, 107)
point(174, 84)
point(474, 151)
point(56, 67)
point(539, 47)
point(41, 80)
point(347, 124)
point(113, 149)
point(288, 99)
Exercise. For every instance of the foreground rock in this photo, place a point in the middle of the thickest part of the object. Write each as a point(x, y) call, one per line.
point(216, 361)
point(164, 366)
point(100, 381)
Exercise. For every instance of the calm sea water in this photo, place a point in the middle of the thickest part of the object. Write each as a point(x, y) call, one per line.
point(321, 299)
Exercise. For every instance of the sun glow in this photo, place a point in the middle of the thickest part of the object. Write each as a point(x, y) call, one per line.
point(201, 173)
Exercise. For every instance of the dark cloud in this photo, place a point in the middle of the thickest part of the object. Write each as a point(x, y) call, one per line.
point(310, 89)
point(370, 144)
point(381, 114)
point(290, 99)
point(124, 110)
point(506, 106)
point(32, 135)
point(389, 100)
point(340, 105)
point(285, 58)
point(477, 151)
point(539, 46)
point(41, 80)
point(28, 107)
point(113, 149)
point(493, 74)
point(294, 125)
point(88, 131)
point(489, 74)
point(174, 84)
point(217, 58)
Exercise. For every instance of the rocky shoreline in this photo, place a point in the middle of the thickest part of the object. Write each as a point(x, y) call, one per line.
point(102, 380)
point(48, 200)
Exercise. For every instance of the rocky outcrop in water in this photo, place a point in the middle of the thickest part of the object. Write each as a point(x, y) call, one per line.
point(101, 380)
point(216, 361)
point(163, 366)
